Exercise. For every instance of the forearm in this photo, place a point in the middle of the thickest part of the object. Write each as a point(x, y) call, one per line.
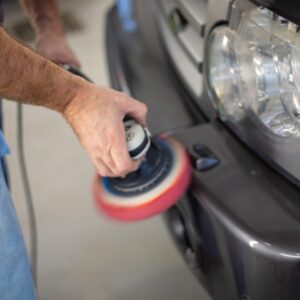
point(27, 77)
point(44, 15)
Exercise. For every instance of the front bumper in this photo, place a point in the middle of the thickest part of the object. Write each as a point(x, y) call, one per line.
point(238, 226)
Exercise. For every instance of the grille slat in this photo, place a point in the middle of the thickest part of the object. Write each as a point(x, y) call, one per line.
point(195, 12)
point(193, 44)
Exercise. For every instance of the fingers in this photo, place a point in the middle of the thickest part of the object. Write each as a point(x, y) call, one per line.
point(115, 160)
point(137, 110)
point(96, 115)
point(119, 153)
point(122, 163)
point(102, 169)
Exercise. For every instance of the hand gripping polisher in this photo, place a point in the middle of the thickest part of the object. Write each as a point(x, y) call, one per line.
point(160, 181)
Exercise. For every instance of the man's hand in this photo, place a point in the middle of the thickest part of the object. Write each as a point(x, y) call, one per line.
point(55, 48)
point(96, 115)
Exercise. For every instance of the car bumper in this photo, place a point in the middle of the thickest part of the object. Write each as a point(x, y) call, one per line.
point(238, 225)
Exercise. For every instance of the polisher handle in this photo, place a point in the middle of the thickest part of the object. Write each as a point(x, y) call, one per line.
point(137, 136)
point(138, 139)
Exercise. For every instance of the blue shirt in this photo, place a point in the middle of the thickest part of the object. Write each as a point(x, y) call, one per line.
point(16, 281)
point(4, 149)
point(15, 276)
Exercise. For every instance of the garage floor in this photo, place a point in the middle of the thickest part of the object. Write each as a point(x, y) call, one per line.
point(82, 255)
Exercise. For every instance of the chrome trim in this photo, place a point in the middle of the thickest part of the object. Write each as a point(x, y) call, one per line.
point(217, 12)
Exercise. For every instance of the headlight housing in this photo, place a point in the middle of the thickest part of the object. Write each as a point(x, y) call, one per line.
point(255, 71)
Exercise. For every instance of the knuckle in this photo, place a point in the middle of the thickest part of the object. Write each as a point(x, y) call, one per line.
point(125, 167)
point(144, 108)
point(122, 175)
point(119, 173)
point(103, 173)
point(115, 172)
point(123, 97)
point(136, 166)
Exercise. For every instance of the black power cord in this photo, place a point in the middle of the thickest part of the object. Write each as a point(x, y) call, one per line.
point(28, 194)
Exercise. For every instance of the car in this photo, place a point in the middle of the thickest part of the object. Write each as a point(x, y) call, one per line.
point(223, 77)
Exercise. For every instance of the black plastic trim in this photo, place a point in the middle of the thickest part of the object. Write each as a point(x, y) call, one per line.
point(147, 75)
point(289, 9)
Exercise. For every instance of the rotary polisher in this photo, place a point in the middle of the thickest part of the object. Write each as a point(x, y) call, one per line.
point(160, 181)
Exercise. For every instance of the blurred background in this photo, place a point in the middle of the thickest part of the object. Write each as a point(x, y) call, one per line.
point(83, 255)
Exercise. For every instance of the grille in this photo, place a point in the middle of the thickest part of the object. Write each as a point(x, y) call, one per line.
point(183, 31)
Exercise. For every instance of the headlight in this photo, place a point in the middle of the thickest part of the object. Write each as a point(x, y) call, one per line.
point(255, 71)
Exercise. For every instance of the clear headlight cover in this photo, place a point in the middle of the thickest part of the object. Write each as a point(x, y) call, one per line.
point(255, 71)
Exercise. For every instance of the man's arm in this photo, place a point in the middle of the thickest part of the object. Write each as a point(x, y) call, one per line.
point(50, 39)
point(95, 113)
point(29, 77)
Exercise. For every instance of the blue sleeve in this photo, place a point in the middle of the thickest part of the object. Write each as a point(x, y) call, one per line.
point(15, 275)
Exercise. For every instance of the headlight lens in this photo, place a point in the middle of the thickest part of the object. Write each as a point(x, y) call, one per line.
point(255, 71)
point(230, 73)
